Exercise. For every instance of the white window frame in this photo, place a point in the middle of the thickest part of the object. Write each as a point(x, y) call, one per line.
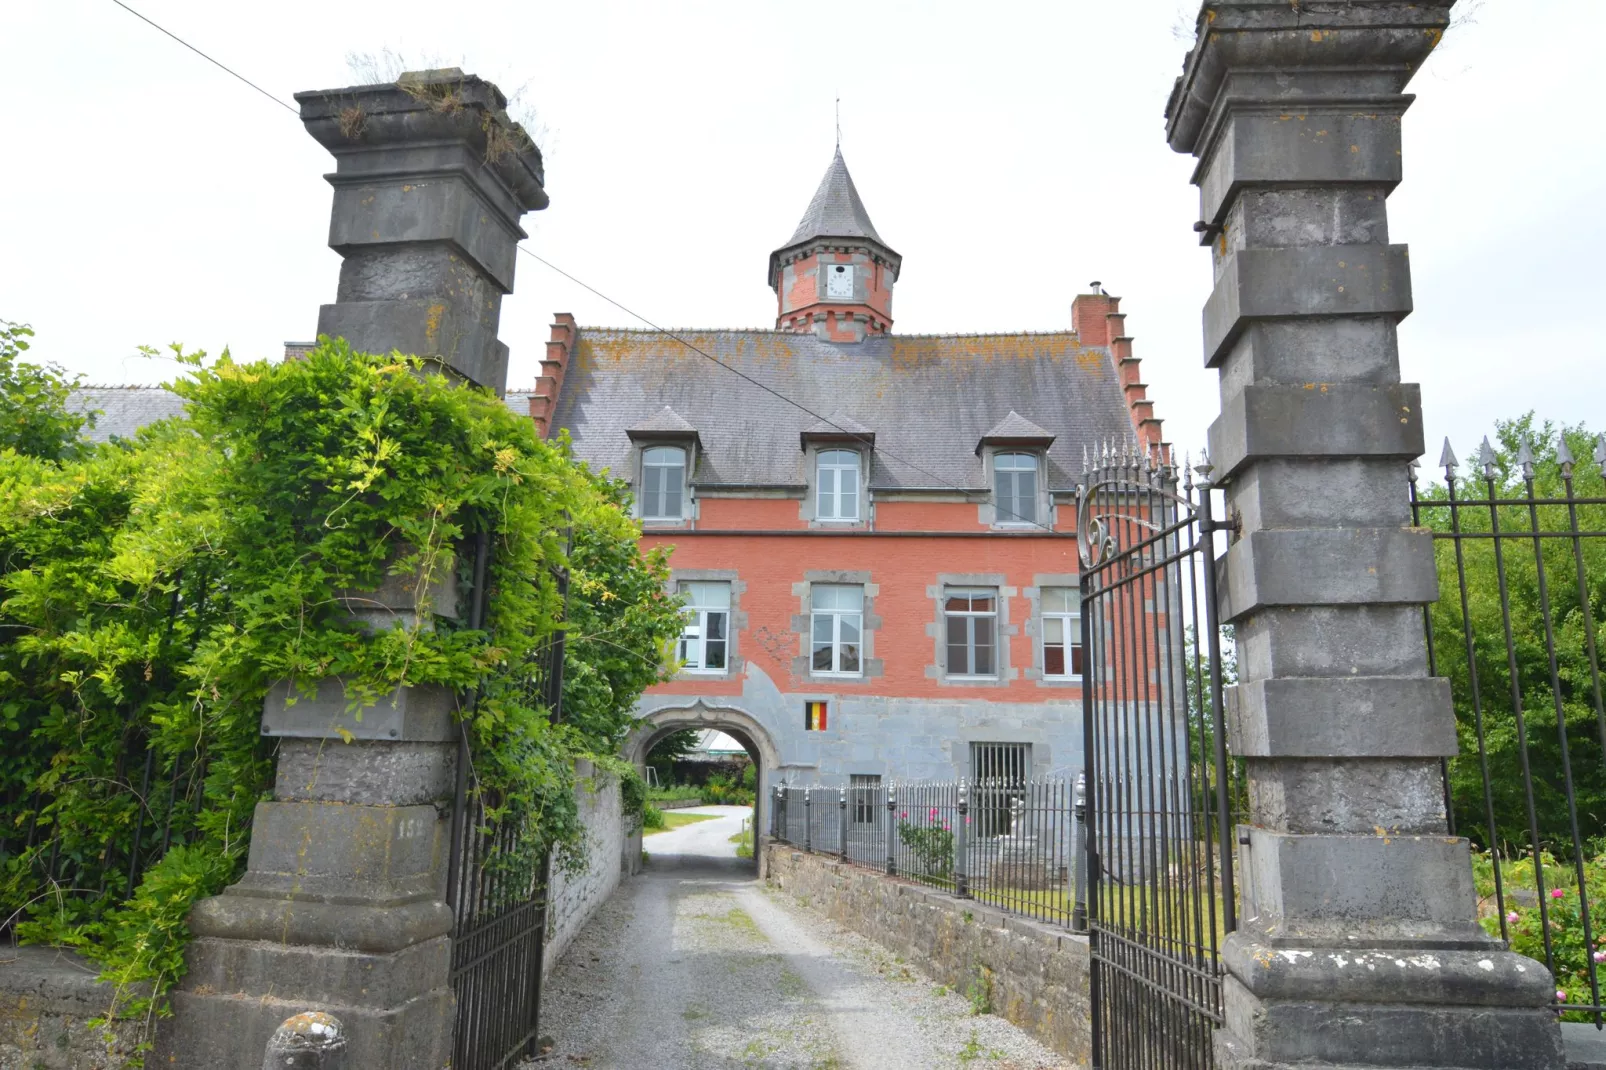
point(1070, 622)
point(703, 602)
point(999, 513)
point(836, 466)
point(971, 617)
point(835, 616)
point(644, 498)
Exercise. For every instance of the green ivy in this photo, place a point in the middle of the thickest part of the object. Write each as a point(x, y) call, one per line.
point(152, 591)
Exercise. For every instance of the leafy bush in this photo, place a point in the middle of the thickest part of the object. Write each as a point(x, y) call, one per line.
point(931, 843)
point(152, 591)
point(726, 791)
point(653, 818)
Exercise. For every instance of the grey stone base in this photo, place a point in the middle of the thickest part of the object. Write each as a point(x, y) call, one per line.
point(396, 1010)
point(1586, 1046)
point(48, 997)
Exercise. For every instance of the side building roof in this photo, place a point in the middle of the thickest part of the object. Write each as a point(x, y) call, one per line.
point(928, 400)
point(123, 410)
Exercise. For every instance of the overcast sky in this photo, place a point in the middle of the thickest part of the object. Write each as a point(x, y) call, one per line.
point(1010, 151)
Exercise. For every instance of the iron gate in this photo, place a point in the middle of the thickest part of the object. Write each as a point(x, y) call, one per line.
point(499, 920)
point(1159, 819)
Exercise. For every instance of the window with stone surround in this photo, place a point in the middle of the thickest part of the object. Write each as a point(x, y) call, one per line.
point(837, 485)
point(1015, 487)
point(663, 482)
point(1061, 616)
point(837, 628)
point(705, 642)
point(970, 617)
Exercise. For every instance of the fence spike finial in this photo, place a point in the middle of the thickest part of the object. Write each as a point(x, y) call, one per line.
point(1600, 453)
point(1564, 455)
point(1525, 457)
point(1447, 458)
point(1086, 467)
point(1486, 458)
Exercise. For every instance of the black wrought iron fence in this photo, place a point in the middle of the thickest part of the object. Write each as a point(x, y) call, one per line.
point(1026, 862)
point(1521, 548)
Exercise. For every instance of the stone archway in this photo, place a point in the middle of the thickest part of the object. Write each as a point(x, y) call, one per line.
point(740, 726)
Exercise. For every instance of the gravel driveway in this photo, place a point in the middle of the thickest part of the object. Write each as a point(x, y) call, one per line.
point(695, 966)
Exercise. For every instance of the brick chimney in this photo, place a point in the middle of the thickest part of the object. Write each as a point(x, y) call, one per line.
point(549, 384)
point(1097, 319)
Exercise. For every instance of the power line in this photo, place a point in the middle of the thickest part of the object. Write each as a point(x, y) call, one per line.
point(209, 59)
point(854, 436)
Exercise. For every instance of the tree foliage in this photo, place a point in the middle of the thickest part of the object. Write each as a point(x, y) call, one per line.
point(1567, 707)
point(152, 591)
point(35, 419)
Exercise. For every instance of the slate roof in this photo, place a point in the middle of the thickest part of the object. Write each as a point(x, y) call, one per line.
point(124, 409)
point(666, 422)
point(836, 210)
point(929, 399)
point(1016, 428)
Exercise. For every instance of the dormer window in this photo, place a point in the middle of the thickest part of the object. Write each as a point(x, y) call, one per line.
point(1015, 486)
point(838, 281)
point(663, 482)
point(837, 485)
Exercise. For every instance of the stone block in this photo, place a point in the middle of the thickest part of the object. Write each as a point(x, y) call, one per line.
point(345, 853)
point(1324, 1033)
point(1334, 717)
point(417, 713)
point(1356, 492)
point(445, 206)
point(1325, 567)
point(1400, 796)
point(1311, 891)
point(429, 327)
point(1343, 640)
point(1361, 350)
point(1328, 280)
point(1279, 144)
point(1317, 421)
point(371, 772)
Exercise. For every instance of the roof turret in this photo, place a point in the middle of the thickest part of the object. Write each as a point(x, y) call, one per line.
point(836, 210)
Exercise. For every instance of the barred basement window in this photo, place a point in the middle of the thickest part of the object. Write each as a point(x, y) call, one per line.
point(999, 772)
point(864, 796)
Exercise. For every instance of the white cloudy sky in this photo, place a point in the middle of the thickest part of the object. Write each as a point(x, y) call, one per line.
point(1011, 151)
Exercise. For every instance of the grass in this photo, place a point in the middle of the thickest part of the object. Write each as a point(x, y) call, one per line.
point(674, 819)
point(744, 840)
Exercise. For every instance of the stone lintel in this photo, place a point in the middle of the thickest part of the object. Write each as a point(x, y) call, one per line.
point(1319, 420)
point(1326, 1034)
point(1327, 567)
point(1342, 717)
point(1282, 143)
point(1313, 280)
point(1487, 977)
point(1363, 46)
point(418, 712)
point(1303, 890)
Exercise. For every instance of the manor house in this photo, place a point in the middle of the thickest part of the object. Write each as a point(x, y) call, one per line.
point(874, 532)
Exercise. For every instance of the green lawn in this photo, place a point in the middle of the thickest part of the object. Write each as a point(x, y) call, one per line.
point(674, 819)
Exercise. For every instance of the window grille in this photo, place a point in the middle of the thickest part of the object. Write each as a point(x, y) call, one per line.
point(838, 624)
point(864, 793)
point(1015, 480)
point(972, 619)
point(1061, 610)
point(663, 483)
point(705, 641)
point(837, 485)
point(999, 772)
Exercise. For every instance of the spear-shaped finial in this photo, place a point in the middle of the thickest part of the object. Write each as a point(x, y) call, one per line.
point(1085, 467)
point(1600, 453)
point(1564, 456)
point(1486, 458)
point(1525, 457)
point(1447, 459)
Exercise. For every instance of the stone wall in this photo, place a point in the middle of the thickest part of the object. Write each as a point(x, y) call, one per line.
point(48, 996)
point(575, 897)
point(1032, 974)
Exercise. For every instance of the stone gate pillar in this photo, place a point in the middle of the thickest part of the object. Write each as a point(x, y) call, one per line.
point(341, 908)
point(1358, 943)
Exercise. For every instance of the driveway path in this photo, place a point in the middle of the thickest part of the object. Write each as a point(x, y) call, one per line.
point(695, 966)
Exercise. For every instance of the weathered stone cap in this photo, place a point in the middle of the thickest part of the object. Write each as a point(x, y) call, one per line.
point(422, 106)
point(1387, 38)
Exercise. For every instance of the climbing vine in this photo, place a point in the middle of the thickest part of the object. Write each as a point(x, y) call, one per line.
point(151, 592)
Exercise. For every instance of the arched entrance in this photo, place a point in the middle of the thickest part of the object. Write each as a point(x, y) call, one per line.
point(740, 726)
